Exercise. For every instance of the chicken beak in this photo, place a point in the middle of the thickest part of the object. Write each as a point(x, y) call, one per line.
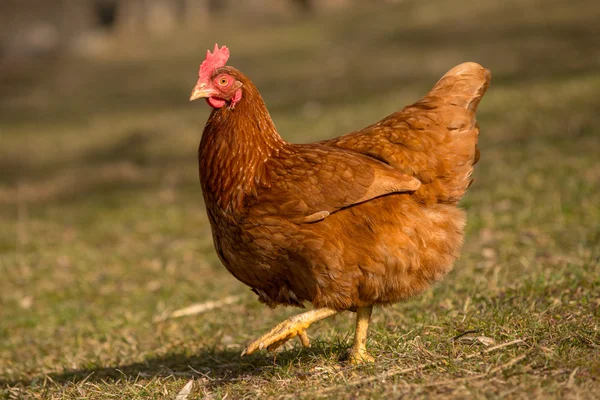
point(200, 91)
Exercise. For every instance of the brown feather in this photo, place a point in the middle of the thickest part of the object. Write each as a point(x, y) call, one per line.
point(366, 218)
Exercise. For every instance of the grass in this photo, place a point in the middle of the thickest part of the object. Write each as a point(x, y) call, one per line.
point(103, 230)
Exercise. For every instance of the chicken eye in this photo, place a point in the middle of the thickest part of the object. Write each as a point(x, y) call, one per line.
point(223, 81)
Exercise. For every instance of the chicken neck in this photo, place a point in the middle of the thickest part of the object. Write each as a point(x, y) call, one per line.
point(235, 145)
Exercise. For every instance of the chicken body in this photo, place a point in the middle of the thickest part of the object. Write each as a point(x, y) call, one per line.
point(375, 252)
point(365, 219)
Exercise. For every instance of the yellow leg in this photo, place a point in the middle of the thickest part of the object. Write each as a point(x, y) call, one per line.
point(288, 329)
point(358, 352)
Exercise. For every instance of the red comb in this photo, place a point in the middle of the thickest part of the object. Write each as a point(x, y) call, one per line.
point(213, 61)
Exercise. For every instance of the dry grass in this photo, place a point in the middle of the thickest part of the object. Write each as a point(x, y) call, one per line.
point(103, 233)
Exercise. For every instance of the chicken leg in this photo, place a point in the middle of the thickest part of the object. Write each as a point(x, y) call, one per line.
point(288, 329)
point(358, 352)
point(297, 325)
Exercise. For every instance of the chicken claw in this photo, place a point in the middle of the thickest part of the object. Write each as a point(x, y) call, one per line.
point(357, 357)
point(288, 329)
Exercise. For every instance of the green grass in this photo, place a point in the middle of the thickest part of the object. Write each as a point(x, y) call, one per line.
point(103, 230)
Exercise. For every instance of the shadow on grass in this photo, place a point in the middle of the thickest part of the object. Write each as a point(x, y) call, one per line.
point(218, 367)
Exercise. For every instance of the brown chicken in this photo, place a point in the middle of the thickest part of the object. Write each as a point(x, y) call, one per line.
point(369, 218)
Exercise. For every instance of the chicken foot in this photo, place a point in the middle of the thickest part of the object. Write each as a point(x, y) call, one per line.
point(288, 329)
point(297, 325)
point(358, 352)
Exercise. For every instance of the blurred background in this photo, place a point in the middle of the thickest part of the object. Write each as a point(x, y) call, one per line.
point(102, 226)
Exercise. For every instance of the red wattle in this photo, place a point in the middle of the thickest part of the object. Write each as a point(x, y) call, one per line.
point(216, 103)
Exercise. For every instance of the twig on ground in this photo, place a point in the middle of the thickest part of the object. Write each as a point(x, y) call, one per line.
point(473, 377)
point(185, 391)
point(428, 364)
point(506, 365)
point(571, 380)
point(200, 308)
point(465, 333)
point(494, 348)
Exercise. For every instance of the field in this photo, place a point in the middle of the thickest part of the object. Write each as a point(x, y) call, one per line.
point(103, 233)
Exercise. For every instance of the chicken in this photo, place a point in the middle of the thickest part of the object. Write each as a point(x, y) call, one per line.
point(366, 219)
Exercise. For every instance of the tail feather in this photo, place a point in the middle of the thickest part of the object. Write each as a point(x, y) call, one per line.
point(455, 98)
point(434, 139)
point(463, 86)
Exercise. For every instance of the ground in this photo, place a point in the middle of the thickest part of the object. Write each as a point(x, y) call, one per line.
point(104, 232)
